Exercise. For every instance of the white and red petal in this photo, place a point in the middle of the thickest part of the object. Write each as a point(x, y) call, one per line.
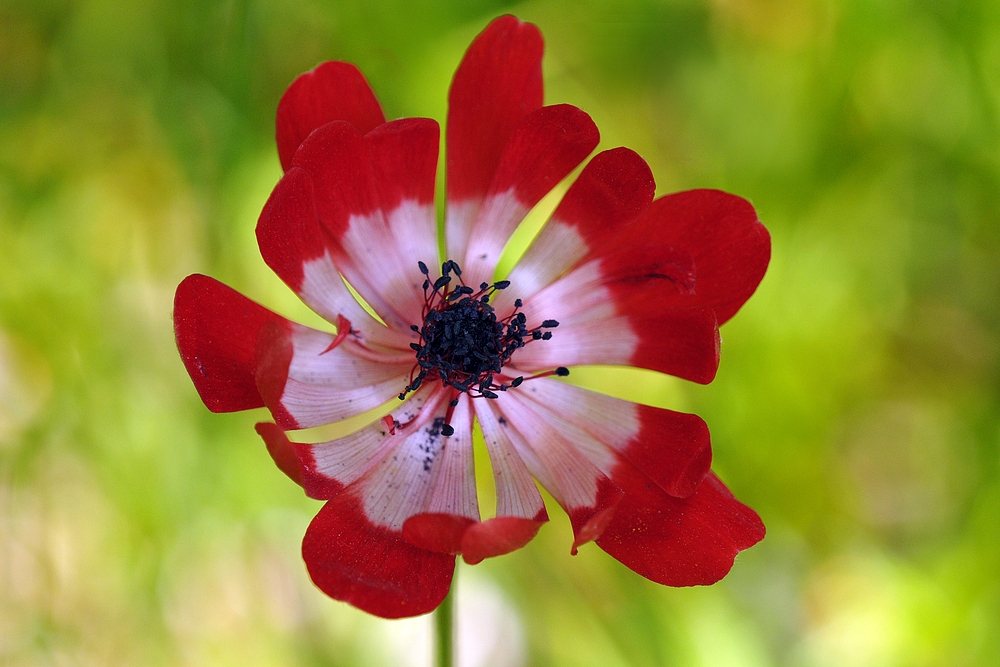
point(621, 314)
point(379, 265)
point(517, 495)
point(370, 566)
point(671, 448)
point(216, 329)
point(520, 510)
point(293, 245)
point(452, 505)
point(545, 146)
point(556, 460)
point(425, 472)
point(678, 541)
point(305, 382)
point(612, 190)
point(400, 471)
point(324, 469)
point(729, 247)
point(331, 91)
point(404, 155)
point(662, 274)
point(683, 343)
point(498, 82)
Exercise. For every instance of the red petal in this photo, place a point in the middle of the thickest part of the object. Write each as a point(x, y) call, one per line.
point(372, 568)
point(590, 522)
point(678, 542)
point(272, 358)
point(614, 188)
point(337, 159)
point(730, 248)
point(281, 450)
point(673, 449)
point(566, 461)
point(288, 232)
point(216, 329)
point(404, 155)
point(316, 484)
point(655, 287)
point(498, 536)
point(637, 332)
point(498, 82)
point(544, 147)
point(293, 245)
point(682, 342)
point(441, 533)
point(331, 91)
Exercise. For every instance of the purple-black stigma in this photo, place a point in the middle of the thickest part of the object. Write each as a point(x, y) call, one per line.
point(462, 343)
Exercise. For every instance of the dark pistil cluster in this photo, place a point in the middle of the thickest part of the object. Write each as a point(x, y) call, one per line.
point(462, 343)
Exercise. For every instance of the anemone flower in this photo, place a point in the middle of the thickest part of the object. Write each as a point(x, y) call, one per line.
point(615, 277)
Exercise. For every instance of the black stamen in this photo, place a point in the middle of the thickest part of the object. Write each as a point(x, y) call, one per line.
point(462, 343)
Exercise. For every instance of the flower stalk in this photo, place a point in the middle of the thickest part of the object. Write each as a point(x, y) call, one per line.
point(444, 629)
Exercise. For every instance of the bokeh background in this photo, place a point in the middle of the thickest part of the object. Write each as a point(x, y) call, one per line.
point(857, 406)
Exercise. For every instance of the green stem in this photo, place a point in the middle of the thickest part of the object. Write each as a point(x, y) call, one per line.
point(445, 630)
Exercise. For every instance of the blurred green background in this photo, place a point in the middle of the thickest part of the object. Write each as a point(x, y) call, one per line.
point(857, 406)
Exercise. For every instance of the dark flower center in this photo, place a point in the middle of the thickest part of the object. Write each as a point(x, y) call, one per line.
point(462, 341)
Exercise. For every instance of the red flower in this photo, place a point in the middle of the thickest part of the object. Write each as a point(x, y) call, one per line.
point(614, 278)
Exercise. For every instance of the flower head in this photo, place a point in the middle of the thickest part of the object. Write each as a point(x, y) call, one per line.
point(615, 277)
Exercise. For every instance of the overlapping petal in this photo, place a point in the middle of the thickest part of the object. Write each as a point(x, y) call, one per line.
point(332, 91)
point(611, 191)
point(216, 329)
point(729, 247)
point(621, 313)
point(371, 567)
point(672, 448)
point(678, 541)
point(498, 82)
point(544, 147)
